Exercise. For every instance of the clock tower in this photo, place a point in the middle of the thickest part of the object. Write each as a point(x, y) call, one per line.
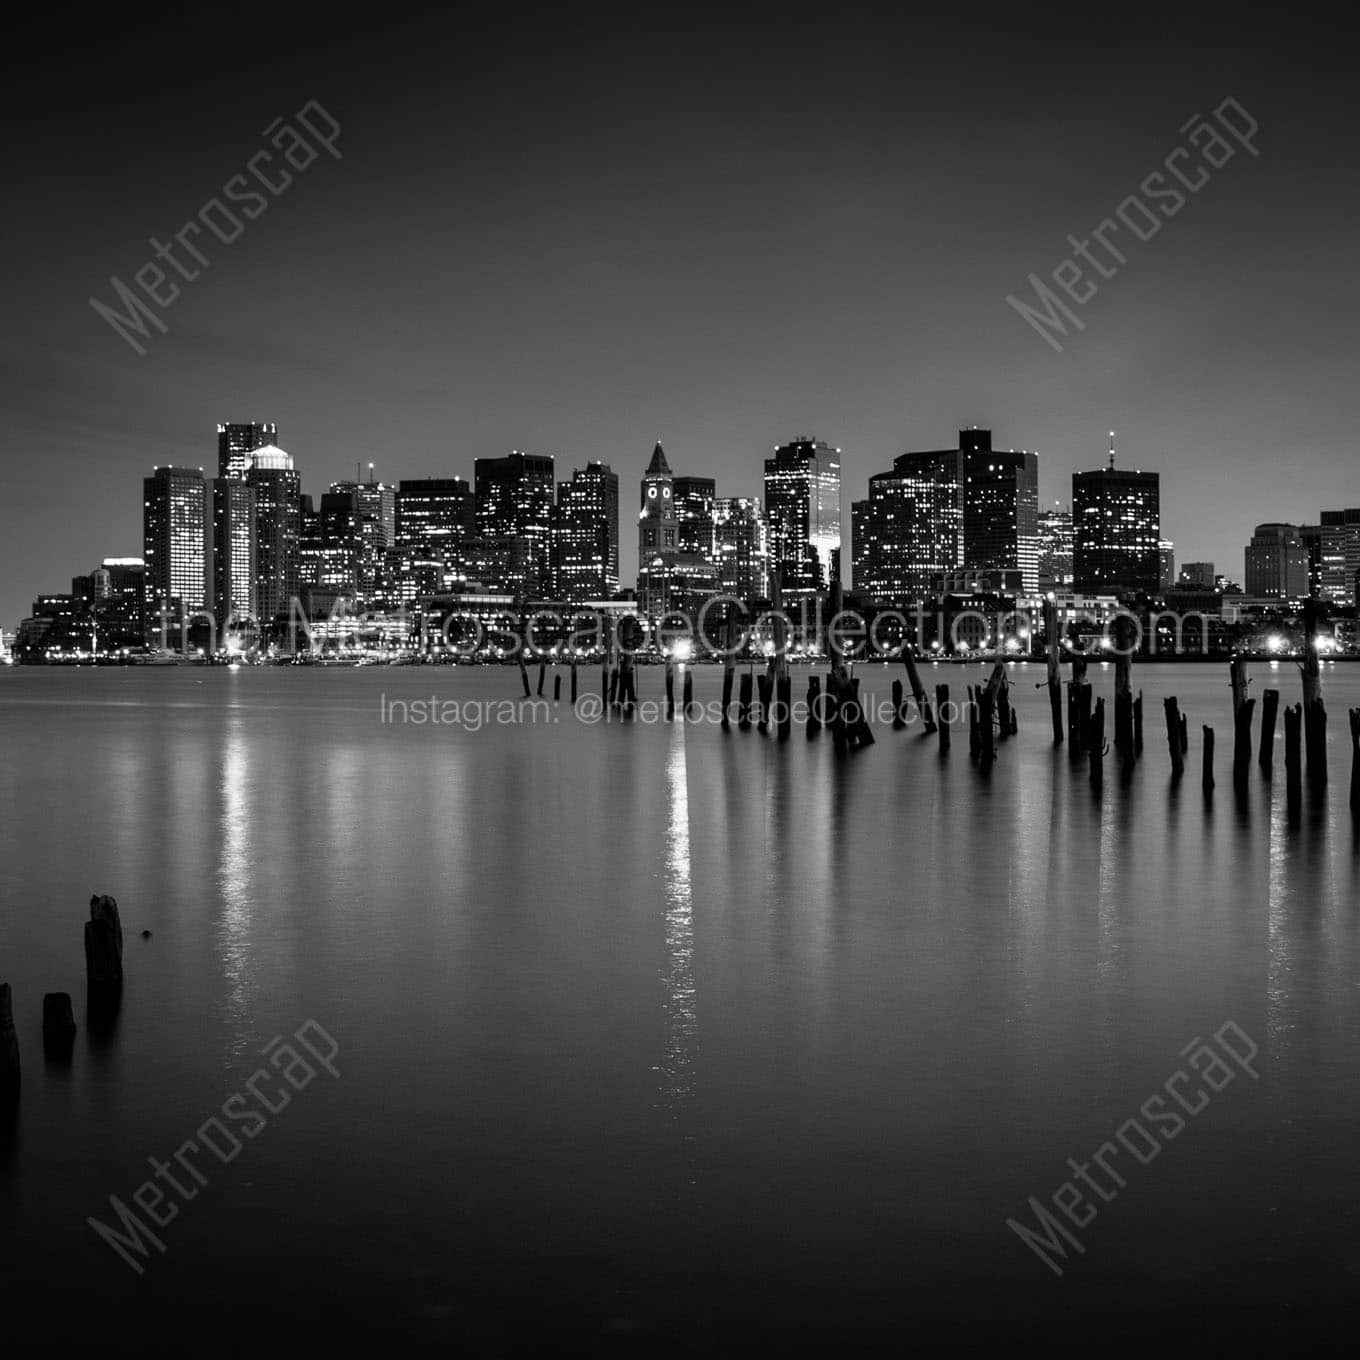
point(658, 533)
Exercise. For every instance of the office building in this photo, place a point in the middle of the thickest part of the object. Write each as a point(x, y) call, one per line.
point(586, 535)
point(1117, 520)
point(278, 512)
point(174, 540)
point(235, 444)
point(234, 584)
point(515, 499)
point(1277, 563)
point(803, 511)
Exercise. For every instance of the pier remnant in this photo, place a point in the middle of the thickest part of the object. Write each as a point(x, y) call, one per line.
point(1054, 669)
point(1095, 744)
point(104, 944)
point(9, 1039)
point(918, 690)
point(1314, 713)
point(1293, 756)
point(1207, 776)
point(1242, 741)
point(59, 1021)
point(1355, 760)
point(943, 710)
point(1270, 708)
point(1174, 736)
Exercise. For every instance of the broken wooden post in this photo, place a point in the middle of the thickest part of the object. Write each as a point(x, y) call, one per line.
point(59, 1021)
point(763, 685)
point(1207, 778)
point(1138, 725)
point(542, 673)
point(1293, 755)
point(729, 666)
point(918, 690)
point(104, 944)
point(1054, 669)
point(523, 672)
point(974, 726)
point(1242, 741)
point(1124, 625)
point(1270, 708)
point(1095, 744)
point(573, 682)
point(1004, 716)
point(1173, 736)
point(744, 702)
point(943, 712)
point(814, 705)
point(9, 1039)
point(1185, 734)
point(1237, 678)
point(1314, 714)
point(1355, 761)
point(986, 730)
point(557, 688)
point(859, 730)
point(670, 689)
point(627, 682)
point(687, 694)
point(835, 717)
point(899, 720)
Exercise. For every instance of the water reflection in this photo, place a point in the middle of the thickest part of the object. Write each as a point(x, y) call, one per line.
point(234, 881)
point(677, 1068)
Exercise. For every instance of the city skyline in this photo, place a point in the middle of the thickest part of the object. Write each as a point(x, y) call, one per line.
point(709, 274)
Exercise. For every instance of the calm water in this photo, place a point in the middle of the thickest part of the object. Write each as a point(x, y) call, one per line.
point(660, 1037)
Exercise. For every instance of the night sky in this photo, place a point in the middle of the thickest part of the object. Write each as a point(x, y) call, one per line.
point(720, 233)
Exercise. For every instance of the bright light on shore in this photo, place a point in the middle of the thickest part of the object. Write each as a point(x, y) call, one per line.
point(682, 650)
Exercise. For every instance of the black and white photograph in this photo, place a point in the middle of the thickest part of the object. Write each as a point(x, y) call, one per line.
point(680, 682)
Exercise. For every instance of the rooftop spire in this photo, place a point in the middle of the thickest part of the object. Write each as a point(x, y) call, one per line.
point(658, 466)
point(1111, 450)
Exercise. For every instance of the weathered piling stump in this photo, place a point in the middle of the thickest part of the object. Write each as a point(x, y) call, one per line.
point(974, 726)
point(1237, 678)
point(542, 673)
point(744, 702)
point(986, 725)
point(1242, 741)
point(612, 690)
point(523, 674)
point(1314, 713)
point(1173, 736)
point(1095, 744)
point(1270, 708)
point(670, 690)
point(1207, 777)
point(762, 702)
point(899, 717)
point(9, 1039)
point(858, 728)
point(59, 1021)
point(1355, 760)
point(943, 711)
point(1185, 735)
point(1293, 756)
point(103, 944)
point(557, 689)
point(1124, 628)
point(814, 705)
point(573, 682)
point(1004, 715)
point(783, 697)
point(918, 690)
point(1138, 725)
point(836, 694)
point(627, 683)
point(687, 695)
point(1054, 670)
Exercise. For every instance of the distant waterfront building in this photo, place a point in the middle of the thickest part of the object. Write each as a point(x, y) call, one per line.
point(174, 540)
point(1311, 534)
point(433, 514)
point(235, 444)
point(377, 506)
point(1198, 575)
point(234, 593)
point(803, 510)
point(1277, 563)
point(515, 498)
point(1055, 549)
point(127, 592)
point(694, 507)
point(1166, 559)
point(586, 535)
point(1340, 554)
point(340, 534)
point(1117, 519)
point(742, 548)
point(278, 512)
point(1000, 508)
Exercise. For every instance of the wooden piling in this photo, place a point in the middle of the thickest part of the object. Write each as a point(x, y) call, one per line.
point(573, 682)
point(918, 690)
point(1138, 725)
point(986, 729)
point(542, 674)
point(1207, 777)
point(1005, 717)
point(744, 702)
point(974, 726)
point(942, 711)
point(835, 718)
point(1054, 669)
point(1124, 629)
point(9, 1039)
point(59, 1022)
point(557, 688)
point(762, 702)
point(1173, 736)
point(1270, 708)
point(1242, 741)
point(627, 683)
point(687, 695)
point(1293, 755)
point(523, 673)
point(670, 689)
point(899, 718)
point(1314, 713)
point(1237, 678)
point(814, 705)
point(1185, 735)
point(858, 729)
point(1095, 744)
point(1355, 760)
point(104, 944)
point(783, 697)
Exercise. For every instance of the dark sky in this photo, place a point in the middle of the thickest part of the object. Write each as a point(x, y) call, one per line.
point(578, 235)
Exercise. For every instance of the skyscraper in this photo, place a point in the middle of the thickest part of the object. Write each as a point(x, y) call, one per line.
point(515, 496)
point(1117, 518)
point(694, 498)
point(278, 492)
point(234, 592)
point(910, 529)
point(377, 506)
point(235, 444)
point(434, 513)
point(1340, 556)
point(1000, 508)
point(174, 539)
point(742, 548)
point(1277, 563)
point(586, 539)
point(1055, 548)
point(803, 508)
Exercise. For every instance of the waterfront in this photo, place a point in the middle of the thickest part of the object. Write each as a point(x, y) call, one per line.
point(661, 1034)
